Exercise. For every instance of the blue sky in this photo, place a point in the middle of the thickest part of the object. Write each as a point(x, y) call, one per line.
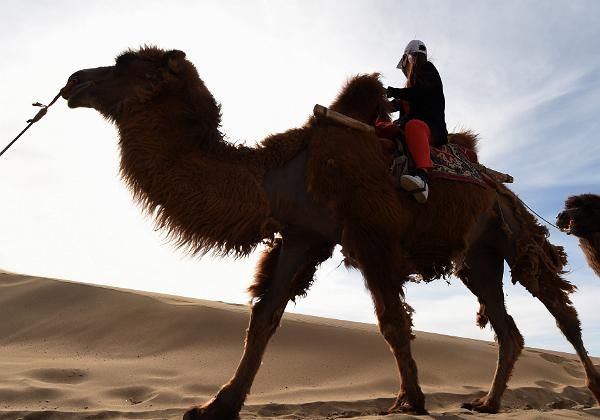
point(525, 75)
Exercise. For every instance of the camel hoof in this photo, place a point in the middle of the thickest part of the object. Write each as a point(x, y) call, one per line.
point(593, 385)
point(208, 412)
point(193, 413)
point(403, 405)
point(481, 406)
point(406, 409)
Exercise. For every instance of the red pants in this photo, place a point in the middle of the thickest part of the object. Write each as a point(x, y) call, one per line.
point(418, 139)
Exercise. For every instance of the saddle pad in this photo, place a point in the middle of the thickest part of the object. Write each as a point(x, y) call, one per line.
point(455, 162)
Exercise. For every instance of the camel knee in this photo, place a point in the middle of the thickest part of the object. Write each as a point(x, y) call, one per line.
point(507, 333)
point(265, 270)
point(513, 338)
point(516, 337)
point(556, 299)
point(398, 335)
point(395, 324)
point(264, 321)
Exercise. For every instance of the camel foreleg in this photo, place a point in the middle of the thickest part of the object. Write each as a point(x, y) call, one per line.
point(385, 271)
point(395, 324)
point(384, 280)
point(290, 261)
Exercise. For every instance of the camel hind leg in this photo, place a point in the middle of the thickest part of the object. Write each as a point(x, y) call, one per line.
point(285, 270)
point(538, 265)
point(482, 274)
point(553, 293)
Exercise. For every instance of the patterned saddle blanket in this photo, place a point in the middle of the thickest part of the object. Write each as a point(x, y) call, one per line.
point(458, 163)
point(451, 161)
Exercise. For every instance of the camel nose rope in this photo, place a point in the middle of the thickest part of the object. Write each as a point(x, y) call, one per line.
point(539, 216)
point(43, 111)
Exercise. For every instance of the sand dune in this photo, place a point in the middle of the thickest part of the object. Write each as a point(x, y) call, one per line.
point(74, 351)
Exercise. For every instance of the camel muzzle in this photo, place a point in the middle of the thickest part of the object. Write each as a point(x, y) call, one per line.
point(565, 221)
point(67, 89)
point(82, 79)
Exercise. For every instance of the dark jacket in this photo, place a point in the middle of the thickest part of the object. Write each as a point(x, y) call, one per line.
point(426, 103)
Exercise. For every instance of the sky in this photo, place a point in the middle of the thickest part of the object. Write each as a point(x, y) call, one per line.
point(525, 75)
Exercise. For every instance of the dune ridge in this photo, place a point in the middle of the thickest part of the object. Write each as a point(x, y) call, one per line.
point(72, 351)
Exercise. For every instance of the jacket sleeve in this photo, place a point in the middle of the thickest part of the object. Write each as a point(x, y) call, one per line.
point(430, 91)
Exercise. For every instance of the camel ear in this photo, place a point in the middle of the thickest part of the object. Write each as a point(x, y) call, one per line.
point(174, 60)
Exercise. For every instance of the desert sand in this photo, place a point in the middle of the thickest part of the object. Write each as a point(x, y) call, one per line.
point(75, 351)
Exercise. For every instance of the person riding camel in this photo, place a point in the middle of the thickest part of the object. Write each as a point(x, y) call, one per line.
point(422, 105)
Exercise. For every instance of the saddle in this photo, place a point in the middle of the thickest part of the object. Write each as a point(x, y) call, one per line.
point(450, 161)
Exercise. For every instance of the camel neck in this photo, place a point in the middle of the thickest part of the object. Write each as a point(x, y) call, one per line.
point(182, 173)
point(590, 245)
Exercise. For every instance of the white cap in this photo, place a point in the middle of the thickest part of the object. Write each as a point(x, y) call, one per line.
point(413, 47)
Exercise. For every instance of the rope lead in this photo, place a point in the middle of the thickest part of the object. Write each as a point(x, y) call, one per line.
point(40, 114)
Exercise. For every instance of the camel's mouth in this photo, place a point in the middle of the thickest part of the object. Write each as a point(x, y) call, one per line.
point(74, 91)
point(70, 87)
point(565, 222)
point(567, 229)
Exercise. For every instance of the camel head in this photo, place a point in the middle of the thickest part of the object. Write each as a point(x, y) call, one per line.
point(363, 98)
point(581, 216)
point(135, 80)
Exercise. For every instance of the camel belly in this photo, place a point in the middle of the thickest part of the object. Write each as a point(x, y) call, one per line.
point(292, 205)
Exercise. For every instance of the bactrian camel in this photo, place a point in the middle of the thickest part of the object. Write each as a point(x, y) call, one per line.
point(306, 190)
point(581, 218)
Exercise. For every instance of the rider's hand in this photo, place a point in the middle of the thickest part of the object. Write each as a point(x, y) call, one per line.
point(393, 92)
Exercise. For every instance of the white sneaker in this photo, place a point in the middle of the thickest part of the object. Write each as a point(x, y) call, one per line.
point(415, 185)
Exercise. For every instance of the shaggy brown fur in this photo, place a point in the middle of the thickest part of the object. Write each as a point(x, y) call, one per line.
point(468, 139)
point(316, 186)
point(581, 218)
